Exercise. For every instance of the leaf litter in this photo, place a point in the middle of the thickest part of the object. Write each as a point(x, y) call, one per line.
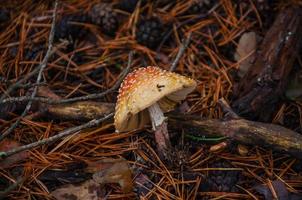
point(245, 52)
point(92, 64)
point(105, 171)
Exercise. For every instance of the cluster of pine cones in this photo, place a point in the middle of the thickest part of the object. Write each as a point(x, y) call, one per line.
point(149, 31)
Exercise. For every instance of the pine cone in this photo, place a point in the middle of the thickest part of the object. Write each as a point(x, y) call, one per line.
point(66, 30)
point(149, 32)
point(222, 180)
point(199, 6)
point(104, 16)
point(4, 15)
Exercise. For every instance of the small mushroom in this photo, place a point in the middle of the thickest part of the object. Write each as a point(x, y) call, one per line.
point(145, 95)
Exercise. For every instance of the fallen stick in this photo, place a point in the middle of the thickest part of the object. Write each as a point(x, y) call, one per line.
point(75, 111)
point(243, 131)
point(80, 111)
point(62, 134)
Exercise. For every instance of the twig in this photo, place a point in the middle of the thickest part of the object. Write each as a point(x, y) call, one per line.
point(69, 131)
point(18, 83)
point(229, 113)
point(31, 85)
point(82, 98)
point(41, 67)
point(190, 20)
point(181, 51)
point(167, 35)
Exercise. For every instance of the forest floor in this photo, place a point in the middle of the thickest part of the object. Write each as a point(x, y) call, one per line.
point(61, 65)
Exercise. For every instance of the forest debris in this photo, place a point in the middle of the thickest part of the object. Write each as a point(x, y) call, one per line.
point(83, 110)
point(62, 134)
point(8, 144)
point(40, 68)
point(242, 150)
point(109, 170)
point(79, 111)
point(44, 91)
point(276, 190)
point(89, 190)
point(260, 90)
point(245, 52)
point(244, 131)
point(218, 147)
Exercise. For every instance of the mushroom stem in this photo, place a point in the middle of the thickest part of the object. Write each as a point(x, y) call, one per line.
point(160, 127)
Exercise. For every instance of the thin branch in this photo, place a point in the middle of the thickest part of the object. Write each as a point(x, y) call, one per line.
point(229, 113)
point(41, 67)
point(181, 51)
point(82, 98)
point(62, 134)
point(168, 34)
point(18, 83)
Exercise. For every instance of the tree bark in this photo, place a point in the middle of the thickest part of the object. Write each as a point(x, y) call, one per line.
point(260, 90)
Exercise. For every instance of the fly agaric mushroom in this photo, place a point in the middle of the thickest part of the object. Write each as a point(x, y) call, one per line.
point(144, 95)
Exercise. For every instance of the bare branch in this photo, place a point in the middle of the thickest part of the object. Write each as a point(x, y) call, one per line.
point(82, 98)
point(41, 67)
point(62, 134)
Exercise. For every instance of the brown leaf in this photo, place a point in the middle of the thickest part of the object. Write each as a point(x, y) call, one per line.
point(110, 170)
point(6, 145)
point(89, 190)
point(279, 188)
point(245, 52)
point(44, 91)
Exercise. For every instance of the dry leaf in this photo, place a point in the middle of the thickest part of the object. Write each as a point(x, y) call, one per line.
point(242, 150)
point(110, 170)
point(245, 52)
point(279, 187)
point(89, 190)
point(6, 145)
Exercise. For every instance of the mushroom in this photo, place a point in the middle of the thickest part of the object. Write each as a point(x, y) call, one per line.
point(144, 95)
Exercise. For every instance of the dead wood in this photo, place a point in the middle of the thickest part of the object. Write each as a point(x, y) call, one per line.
point(243, 131)
point(82, 111)
point(79, 111)
point(260, 90)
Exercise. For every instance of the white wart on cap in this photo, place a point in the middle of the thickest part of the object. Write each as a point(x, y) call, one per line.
point(145, 87)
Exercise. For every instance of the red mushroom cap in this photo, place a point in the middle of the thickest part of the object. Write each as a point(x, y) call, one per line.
point(144, 87)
